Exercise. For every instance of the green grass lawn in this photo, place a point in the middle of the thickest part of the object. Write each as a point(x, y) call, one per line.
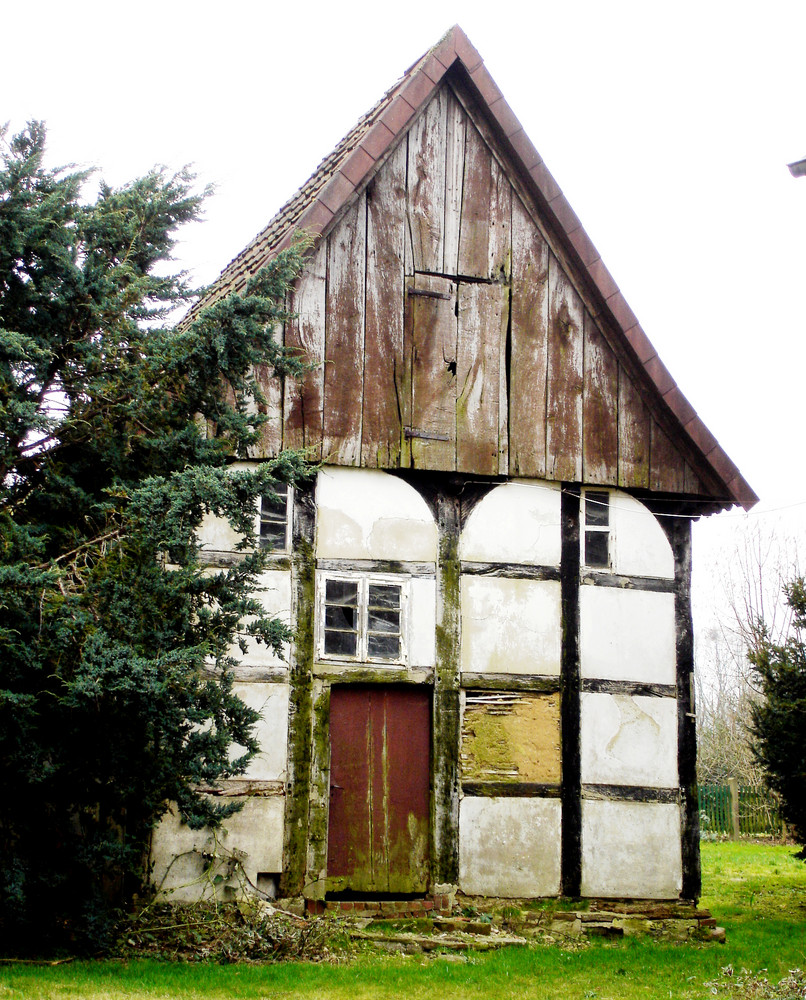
point(757, 892)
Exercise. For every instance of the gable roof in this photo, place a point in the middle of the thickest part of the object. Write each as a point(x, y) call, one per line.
point(356, 158)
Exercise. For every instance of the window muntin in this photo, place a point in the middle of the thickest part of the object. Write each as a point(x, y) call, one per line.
point(597, 529)
point(363, 618)
point(275, 519)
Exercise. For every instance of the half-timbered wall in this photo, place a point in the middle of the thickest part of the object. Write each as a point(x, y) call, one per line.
point(451, 334)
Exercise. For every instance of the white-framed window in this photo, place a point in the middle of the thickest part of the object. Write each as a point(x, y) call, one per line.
point(362, 618)
point(274, 519)
point(597, 529)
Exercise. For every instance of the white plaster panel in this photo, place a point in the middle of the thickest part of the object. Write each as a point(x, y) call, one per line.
point(422, 622)
point(509, 846)
point(518, 523)
point(627, 635)
point(629, 740)
point(369, 514)
point(271, 701)
point(510, 626)
point(640, 546)
point(256, 830)
point(215, 533)
point(631, 849)
point(274, 593)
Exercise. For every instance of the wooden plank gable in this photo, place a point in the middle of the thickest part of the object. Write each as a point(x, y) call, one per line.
point(454, 335)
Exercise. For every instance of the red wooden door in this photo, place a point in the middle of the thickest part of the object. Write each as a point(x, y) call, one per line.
point(380, 749)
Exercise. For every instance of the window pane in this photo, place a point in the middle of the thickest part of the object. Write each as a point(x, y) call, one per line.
point(597, 508)
point(340, 616)
point(341, 643)
point(384, 596)
point(383, 647)
point(596, 548)
point(275, 507)
point(383, 621)
point(272, 534)
point(341, 592)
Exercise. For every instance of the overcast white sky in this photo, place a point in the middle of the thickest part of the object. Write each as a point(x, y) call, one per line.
point(667, 125)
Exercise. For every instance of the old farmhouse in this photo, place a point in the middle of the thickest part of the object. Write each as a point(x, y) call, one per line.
point(490, 688)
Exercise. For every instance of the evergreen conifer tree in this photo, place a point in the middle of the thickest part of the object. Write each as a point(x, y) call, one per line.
point(779, 718)
point(116, 646)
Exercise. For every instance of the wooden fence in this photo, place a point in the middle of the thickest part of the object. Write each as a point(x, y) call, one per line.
point(739, 810)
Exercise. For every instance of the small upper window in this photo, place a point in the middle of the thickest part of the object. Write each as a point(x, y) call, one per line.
point(275, 519)
point(597, 528)
point(362, 619)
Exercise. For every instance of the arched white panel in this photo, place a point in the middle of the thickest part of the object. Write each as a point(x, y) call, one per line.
point(640, 546)
point(515, 523)
point(369, 514)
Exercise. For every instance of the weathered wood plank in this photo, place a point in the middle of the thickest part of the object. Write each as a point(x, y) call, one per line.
point(454, 174)
point(344, 337)
point(483, 317)
point(382, 421)
point(303, 401)
point(431, 326)
point(599, 408)
point(667, 470)
point(693, 483)
point(633, 434)
point(528, 347)
point(270, 441)
point(477, 188)
point(500, 233)
point(564, 398)
point(426, 187)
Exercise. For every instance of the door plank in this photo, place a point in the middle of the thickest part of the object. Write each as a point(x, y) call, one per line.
point(426, 186)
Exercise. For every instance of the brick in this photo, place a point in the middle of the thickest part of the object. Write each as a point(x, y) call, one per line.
point(428, 904)
point(388, 906)
point(397, 114)
point(347, 907)
point(433, 68)
point(566, 216)
point(487, 87)
point(465, 50)
point(680, 406)
point(522, 145)
point(659, 374)
point(416, 906)
point(640, 343)
point(356, 166)
point(315, 218)
point(549, 188)
point(377, 140)
point(603, 278)
point(336, 192)
point(622, 313)
point(506, 117)
point(583, 245)
point(418, 89)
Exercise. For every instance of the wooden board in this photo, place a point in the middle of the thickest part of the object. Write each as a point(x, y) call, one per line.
point(383, 414)
point(270, 441)
point(482, 330)
point(633, 434)
point(599, 408)
point(529, 346)
point(344, 338)
point(564, 398)
point(426, 188)
point(667, 470)
point(456, 124)
point(431, 329)
point(474, 232)
point(302, 402)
